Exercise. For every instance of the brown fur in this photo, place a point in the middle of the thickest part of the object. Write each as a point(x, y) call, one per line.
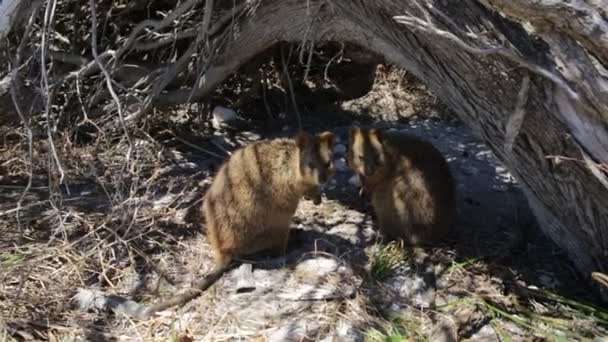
point(412, 190)
point(254, 195)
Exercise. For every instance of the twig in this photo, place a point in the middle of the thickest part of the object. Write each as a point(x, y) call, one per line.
point(15, 98)
point(337, 55)
point(155, 24)
point(49, 14)
point(108, 78)
point(67, 58)
point(603, 167)
point(151, 45)
point(291, 91)
point(197, 147)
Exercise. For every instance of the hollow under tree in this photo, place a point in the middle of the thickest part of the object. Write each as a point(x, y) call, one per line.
point(529, 78)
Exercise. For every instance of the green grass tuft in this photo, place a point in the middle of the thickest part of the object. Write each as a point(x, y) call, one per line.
point(384, 259)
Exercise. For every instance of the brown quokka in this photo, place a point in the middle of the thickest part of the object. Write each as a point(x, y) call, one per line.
point(250, 203)
point(249, 206)
point(411, 188)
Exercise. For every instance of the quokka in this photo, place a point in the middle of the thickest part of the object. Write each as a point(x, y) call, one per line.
point(411, 188)
point(250, 203)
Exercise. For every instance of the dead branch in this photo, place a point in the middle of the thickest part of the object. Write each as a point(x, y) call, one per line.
point(108, 79)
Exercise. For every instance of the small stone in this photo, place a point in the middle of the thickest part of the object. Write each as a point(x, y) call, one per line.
point(340, 149)
point(354, 181)
point(293, 331)
point(341, 165)
point(221, 116)
point(414, 289)
point(314, 268)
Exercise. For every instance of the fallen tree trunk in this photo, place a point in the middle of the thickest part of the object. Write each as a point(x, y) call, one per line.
point(533, 85)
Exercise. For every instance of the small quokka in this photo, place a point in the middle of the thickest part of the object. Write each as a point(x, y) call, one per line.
point(411, 188)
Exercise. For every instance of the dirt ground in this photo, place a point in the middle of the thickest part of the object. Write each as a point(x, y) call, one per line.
point(132, 228)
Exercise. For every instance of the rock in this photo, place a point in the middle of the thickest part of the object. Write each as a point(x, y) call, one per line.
point(414, 289)
point(354, 181)
point(163, 201)
point(222, 116)
point(341, 165)
point(444, 330)
point(340, 149)
point(486, 333)
point(293, 331)
point(317, 267)
point(244, 278)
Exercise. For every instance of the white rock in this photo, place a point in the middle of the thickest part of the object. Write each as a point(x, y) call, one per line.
point(163, 201)
point(340, 149)
point(221, 116)
point(292, 331)
point(354, 181)
point(316, 267)
point(414, 289)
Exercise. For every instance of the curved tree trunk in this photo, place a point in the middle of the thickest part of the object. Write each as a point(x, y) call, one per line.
point(536, 92)
point(539, 100)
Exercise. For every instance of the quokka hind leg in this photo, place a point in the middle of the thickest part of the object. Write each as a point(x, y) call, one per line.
point(222, 258)
point(266, 242)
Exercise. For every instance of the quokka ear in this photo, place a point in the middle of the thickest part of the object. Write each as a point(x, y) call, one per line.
point(303, 140)
point(327, 138)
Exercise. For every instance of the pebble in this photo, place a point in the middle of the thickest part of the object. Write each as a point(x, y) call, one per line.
point(340, 165)
point(354, 181)
point(221, 116)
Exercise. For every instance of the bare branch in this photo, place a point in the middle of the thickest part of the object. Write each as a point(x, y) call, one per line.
point(14, 86)
point(48, 19)
point(155, 25)
point(108, 78)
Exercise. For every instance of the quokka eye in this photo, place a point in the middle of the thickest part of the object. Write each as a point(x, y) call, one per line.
point(361, 157)
point(328, 165)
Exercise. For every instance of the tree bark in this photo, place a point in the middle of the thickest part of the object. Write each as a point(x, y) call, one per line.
point(529, 78)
